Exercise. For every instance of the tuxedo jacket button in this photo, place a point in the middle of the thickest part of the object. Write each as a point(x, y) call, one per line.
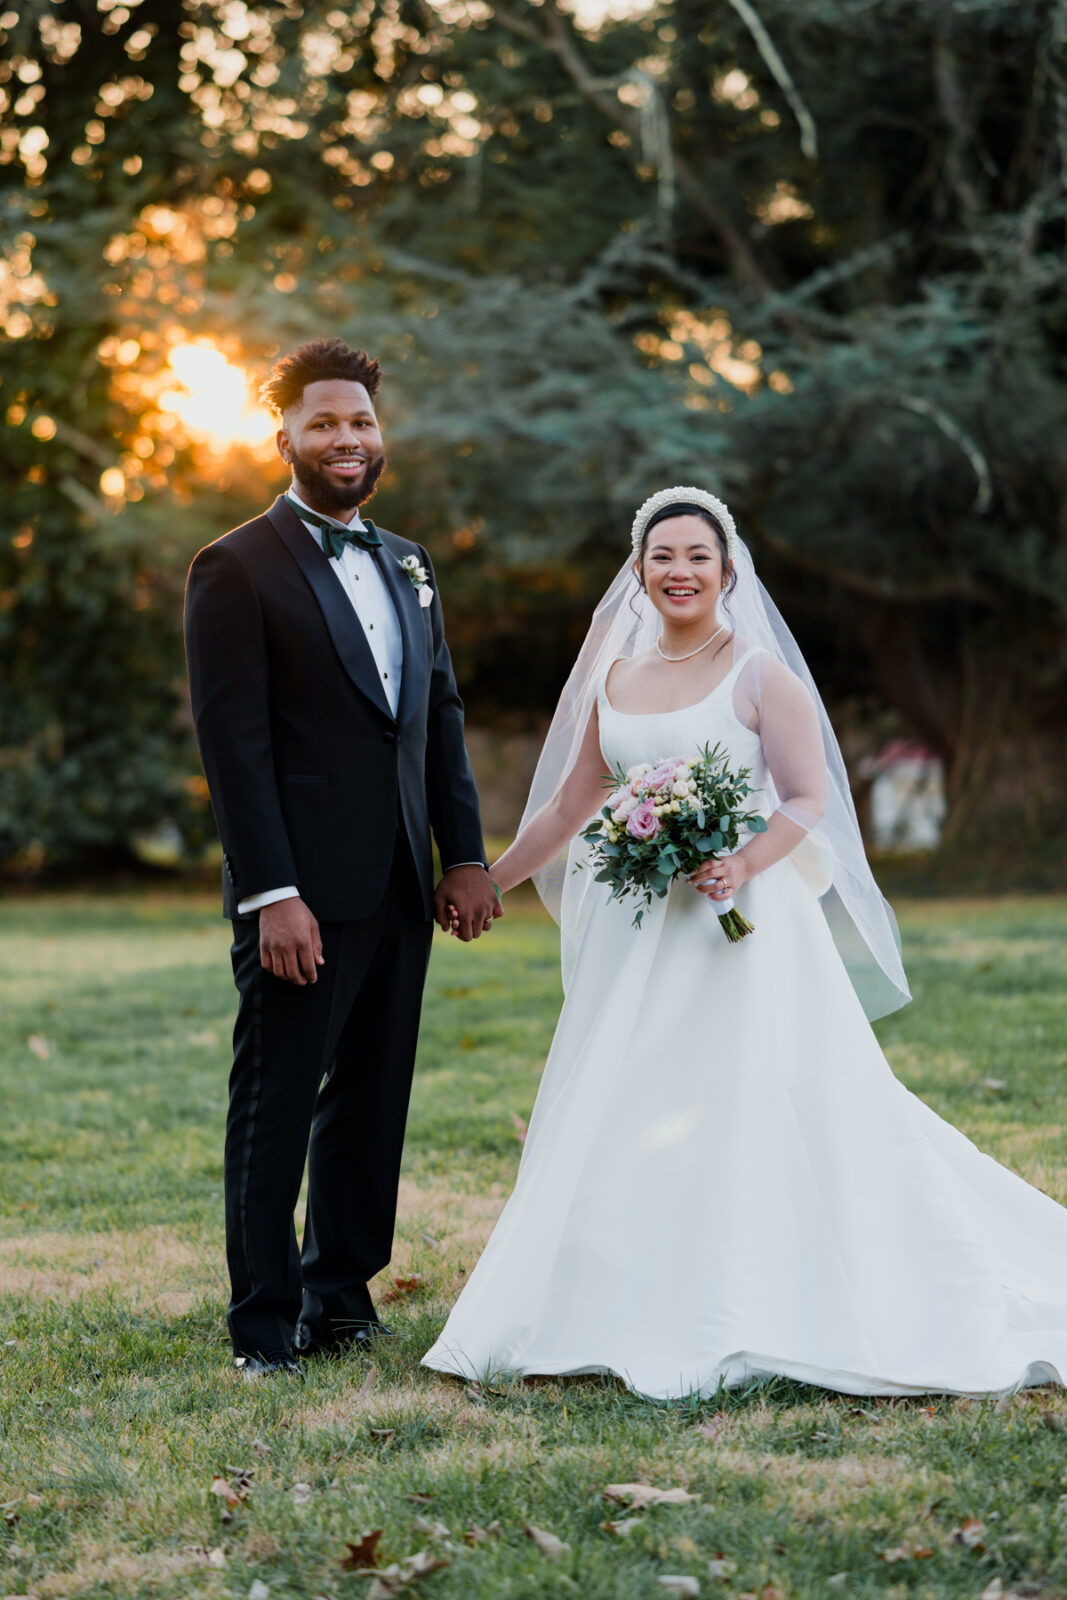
point(389, 736)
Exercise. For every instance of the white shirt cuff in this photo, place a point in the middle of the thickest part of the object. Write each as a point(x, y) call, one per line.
point(467, 864)
point(256, 902)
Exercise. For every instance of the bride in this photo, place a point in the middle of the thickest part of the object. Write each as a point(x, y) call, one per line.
point(722, 1179)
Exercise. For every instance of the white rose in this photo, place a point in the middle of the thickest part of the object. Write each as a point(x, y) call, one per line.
point(692, 786)
point(676, 805)
point(639, 771)
point(678, 789)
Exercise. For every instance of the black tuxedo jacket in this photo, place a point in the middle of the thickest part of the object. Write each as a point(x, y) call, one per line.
point(309, 771)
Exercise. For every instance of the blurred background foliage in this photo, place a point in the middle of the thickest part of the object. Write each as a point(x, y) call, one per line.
point(809, 253)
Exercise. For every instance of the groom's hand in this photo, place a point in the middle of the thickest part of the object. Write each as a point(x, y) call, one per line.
point(289, 942)
point(466, 903)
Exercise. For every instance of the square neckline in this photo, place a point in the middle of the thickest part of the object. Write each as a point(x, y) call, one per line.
point(675, 710)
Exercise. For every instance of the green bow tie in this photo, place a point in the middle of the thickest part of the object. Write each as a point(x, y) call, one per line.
point(335, 535)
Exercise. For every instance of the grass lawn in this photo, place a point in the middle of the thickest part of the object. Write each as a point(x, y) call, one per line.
point(118, 1409)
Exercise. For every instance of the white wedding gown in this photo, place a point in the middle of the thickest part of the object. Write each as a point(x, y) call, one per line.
point(723, 1180)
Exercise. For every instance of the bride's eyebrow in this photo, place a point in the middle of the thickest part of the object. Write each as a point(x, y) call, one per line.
point(689, 550)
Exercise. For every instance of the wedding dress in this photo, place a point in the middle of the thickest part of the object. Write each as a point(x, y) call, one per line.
point(722, 1178)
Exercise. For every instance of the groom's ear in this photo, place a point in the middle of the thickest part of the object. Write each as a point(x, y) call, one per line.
point(281, 439)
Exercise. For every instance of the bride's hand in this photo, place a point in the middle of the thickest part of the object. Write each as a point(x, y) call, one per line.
point(720, 880)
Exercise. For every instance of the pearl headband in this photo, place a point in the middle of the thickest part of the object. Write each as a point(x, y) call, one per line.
point(681, 496)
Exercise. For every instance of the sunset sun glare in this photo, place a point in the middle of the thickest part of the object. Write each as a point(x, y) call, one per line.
point(213, 398)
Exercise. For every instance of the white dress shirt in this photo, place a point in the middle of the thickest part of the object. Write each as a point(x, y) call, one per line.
point(359, 576)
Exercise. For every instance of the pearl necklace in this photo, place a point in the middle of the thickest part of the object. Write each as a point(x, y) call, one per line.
point(692, 653)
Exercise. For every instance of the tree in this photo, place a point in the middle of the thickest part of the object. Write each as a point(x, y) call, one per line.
point(806, 251)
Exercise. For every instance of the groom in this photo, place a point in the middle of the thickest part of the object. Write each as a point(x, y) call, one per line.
point(331, 733)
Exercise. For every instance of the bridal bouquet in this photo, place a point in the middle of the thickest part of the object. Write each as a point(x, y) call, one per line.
point(665, 820)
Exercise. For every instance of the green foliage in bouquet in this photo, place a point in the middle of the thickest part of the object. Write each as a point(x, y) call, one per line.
point(666, 819)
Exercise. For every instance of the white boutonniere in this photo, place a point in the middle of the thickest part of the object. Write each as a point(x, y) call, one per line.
point(419, 578)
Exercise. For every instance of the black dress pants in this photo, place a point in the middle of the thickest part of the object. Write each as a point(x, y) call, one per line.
point(321, 1074)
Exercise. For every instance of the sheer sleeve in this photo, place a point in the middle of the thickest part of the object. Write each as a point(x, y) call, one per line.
point(773, 701)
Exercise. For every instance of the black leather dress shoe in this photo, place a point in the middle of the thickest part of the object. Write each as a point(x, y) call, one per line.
point(271, 1365)
point(310, 1341)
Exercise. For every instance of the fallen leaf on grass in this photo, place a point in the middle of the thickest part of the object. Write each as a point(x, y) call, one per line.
point(10, 1510)
point(1053, 1421)
point(391, 1580)
point(301, 1494)
point(230, 1497)
point(992, 1591)
point(401, 1287)
point(623, 1527)
point(432, 1530)
point(838, 1581)
point(520, 1127)
point(640, 1495)
point(362, 1557)
point(383, 1434)
point(260, 1448)
point(40, 1046)
point(908, 1551)
point(421, 1499)
point(715, 1426)
point(679, 1584)
point(546, 1542)
point(992, 1083)
point(720, 1567)
point(210, 1558)
point(1003, 1405)
point(259, 1590)
point(428, 1238)
point(970, 1534)
point(475, 1535)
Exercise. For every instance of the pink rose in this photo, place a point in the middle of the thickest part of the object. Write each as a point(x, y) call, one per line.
point(663, 775)
point(642, 823)
point(615, 799)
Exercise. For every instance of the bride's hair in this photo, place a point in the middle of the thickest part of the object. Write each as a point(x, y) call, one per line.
point(684, 509)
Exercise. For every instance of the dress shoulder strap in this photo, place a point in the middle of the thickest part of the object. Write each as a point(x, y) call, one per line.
point(753, 650)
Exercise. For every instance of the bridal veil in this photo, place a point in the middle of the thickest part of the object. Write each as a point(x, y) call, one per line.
point(830, 857)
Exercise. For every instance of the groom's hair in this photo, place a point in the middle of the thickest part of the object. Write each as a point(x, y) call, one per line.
point(310, 363)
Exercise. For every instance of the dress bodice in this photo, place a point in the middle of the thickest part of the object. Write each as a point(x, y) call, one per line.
point(627, 738)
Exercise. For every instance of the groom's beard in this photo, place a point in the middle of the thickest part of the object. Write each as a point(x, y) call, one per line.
point(337, 496)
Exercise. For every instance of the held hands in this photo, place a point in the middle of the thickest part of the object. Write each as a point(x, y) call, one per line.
point(465, 903)
point(720, 880)
point(289, 942)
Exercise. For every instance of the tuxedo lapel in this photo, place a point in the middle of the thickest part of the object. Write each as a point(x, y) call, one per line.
point(412, 626)
point(348, 637)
